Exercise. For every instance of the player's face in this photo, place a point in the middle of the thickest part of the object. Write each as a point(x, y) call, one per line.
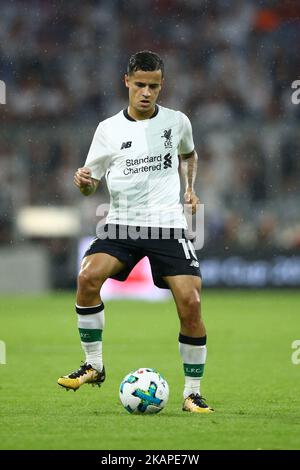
point(144, 88)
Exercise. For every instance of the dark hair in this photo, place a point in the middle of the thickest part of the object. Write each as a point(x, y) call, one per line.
point(145, 60)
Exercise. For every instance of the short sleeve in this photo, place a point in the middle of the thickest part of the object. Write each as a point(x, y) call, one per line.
point(99, 154)
point(186, 142)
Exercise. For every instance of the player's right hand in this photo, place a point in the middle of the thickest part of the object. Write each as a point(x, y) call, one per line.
point(83, 178)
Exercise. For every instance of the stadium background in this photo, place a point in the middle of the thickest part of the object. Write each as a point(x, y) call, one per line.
point(230, 66)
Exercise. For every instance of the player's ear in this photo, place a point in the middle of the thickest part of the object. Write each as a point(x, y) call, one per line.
point(126, 80)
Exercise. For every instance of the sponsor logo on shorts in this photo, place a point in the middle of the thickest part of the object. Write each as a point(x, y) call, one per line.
point(194, 264)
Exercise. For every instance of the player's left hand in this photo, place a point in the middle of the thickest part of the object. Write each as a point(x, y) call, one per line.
point(190, 197)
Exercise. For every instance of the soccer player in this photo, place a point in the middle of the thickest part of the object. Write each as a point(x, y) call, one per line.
point(137, 150)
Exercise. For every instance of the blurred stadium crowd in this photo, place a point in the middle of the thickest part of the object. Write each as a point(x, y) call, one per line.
point(229, 66)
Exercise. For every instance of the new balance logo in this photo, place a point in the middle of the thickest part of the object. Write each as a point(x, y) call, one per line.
point(126, 145)
point(167, 161)
point(194, 264)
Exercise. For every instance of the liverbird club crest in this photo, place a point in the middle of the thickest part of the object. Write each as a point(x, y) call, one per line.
point(167, 135)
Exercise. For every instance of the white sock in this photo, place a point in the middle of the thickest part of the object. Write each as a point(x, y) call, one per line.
point(193, 357)
point(91, 325)
point(191, 385)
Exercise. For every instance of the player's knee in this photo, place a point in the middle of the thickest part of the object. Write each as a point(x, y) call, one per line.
point(190, 302)
point(89, 281)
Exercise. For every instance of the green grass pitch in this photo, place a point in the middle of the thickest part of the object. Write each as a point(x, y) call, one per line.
point(249, 379)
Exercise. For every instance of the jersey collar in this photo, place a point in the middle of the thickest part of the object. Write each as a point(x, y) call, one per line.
point(125, 112)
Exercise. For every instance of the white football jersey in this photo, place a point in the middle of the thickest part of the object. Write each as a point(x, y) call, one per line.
point(140, 162)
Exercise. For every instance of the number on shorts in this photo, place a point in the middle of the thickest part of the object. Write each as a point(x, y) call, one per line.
point(188, 248)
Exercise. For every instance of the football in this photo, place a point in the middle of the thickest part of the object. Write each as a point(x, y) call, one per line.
point(144, 391)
